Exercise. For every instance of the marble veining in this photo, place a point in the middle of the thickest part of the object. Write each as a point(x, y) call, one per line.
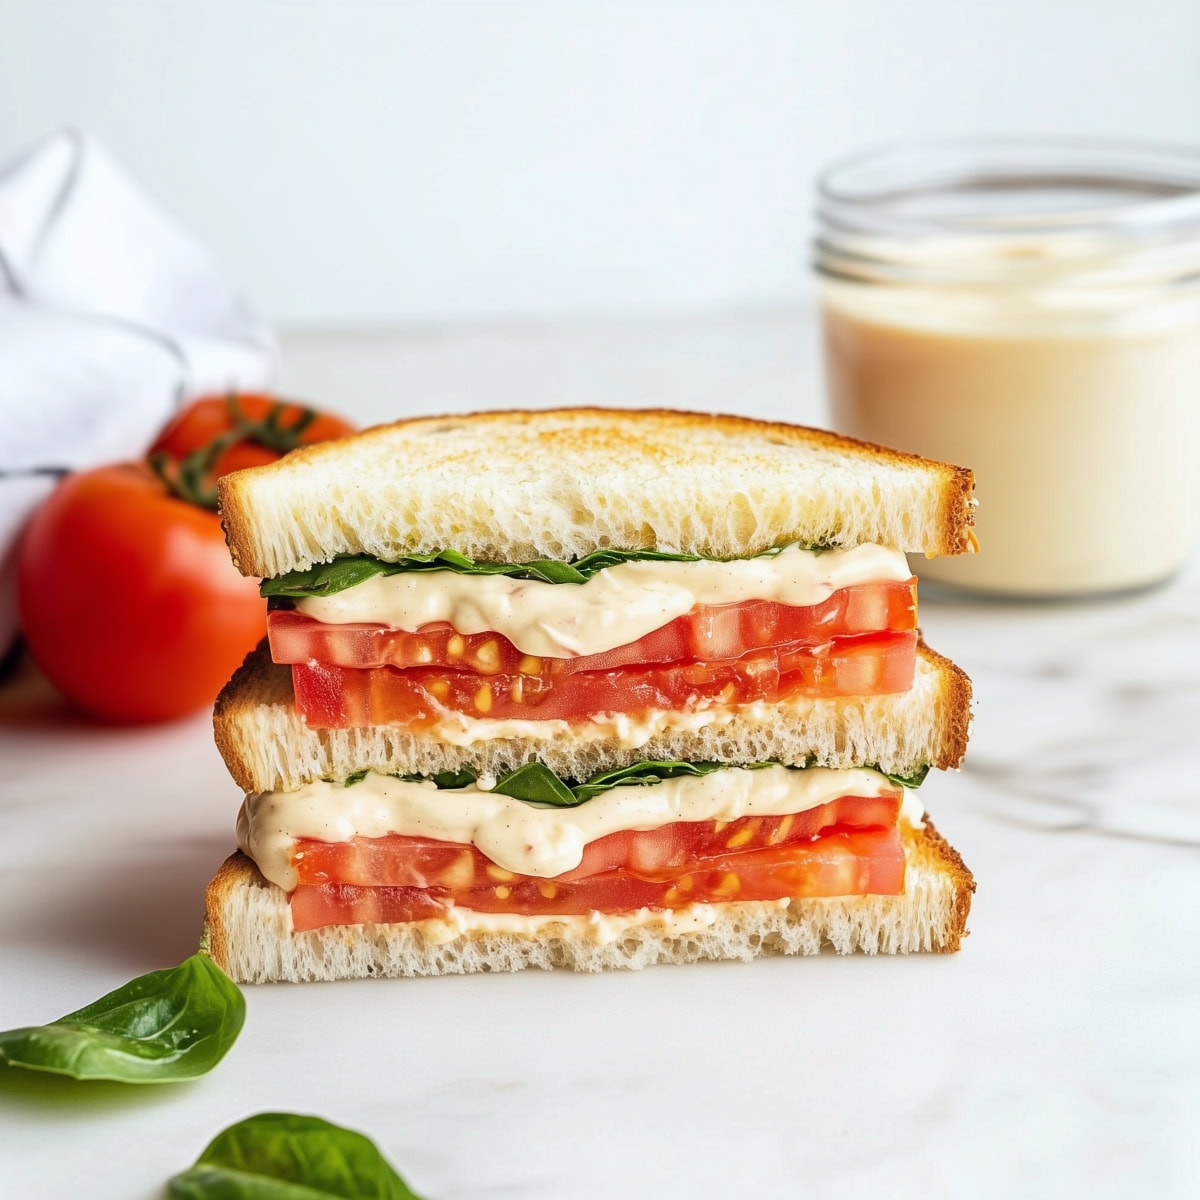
point(1087, 714)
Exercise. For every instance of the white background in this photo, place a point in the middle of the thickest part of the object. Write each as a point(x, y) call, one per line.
point(405, 162)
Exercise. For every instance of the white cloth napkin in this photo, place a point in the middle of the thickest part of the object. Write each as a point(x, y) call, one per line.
point(111, 315)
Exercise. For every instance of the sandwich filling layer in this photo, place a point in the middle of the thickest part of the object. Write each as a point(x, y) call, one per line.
point(525, 838)
point(419, 647)
point(387, 849)
point(617, 606)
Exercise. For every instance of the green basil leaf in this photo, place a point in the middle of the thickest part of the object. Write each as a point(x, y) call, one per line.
point(324, 579)
point(159, 1028)
point(282, 1156)
point(908, 781)
point(652, 772)
point(537, 784)
point(329, 578)
point(443, 779)
point(452, 779)
point(550, 572)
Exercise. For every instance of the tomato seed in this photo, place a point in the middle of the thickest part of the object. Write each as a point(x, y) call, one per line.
point(784, 829)
point(487, 657)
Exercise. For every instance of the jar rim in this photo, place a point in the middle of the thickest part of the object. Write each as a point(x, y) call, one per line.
point(1012, 185)
point(1005, 211)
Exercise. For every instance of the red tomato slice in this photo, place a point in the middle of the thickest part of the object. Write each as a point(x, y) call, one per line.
point(397, 861)
point(333, 697)
point(707, 634)
point(840, 863)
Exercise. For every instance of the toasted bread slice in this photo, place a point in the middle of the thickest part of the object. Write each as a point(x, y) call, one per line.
point(249, 933)
point(517, 486)
point(268, 747)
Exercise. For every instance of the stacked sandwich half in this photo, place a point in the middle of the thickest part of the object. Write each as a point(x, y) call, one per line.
point(587, 688)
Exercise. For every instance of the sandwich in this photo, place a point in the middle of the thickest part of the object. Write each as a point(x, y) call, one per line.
point(587, 688)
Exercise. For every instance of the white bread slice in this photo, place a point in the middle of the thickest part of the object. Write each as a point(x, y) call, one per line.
point(517, 486)
point(248, 930)
point(268, 747)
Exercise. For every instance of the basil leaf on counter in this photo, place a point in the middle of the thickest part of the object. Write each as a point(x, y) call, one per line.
point(329, 578)
point(282, 1156)
point(159, 1028)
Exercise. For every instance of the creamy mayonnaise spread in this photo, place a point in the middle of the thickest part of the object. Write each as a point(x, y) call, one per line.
point(597, 928)
point(529, 839)
point(614, 607)
point(628, 732)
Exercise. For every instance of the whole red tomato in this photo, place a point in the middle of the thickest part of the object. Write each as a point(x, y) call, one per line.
point(218, 434)
point(129, 601)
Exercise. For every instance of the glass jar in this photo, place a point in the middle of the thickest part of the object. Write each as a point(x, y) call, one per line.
point(1029, 309)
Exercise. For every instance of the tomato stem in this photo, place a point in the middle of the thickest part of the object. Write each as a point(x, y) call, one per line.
point(192, 478)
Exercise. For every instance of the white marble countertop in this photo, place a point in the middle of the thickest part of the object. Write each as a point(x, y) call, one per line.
point(1057, 1055)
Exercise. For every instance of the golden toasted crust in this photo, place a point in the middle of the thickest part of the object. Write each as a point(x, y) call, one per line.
point(267, 746)
point(233, 873)
point(248, 931)
point(257, 681)
point(955, 711)
point(949, 862)
point(656, 440)
point(235, 525)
